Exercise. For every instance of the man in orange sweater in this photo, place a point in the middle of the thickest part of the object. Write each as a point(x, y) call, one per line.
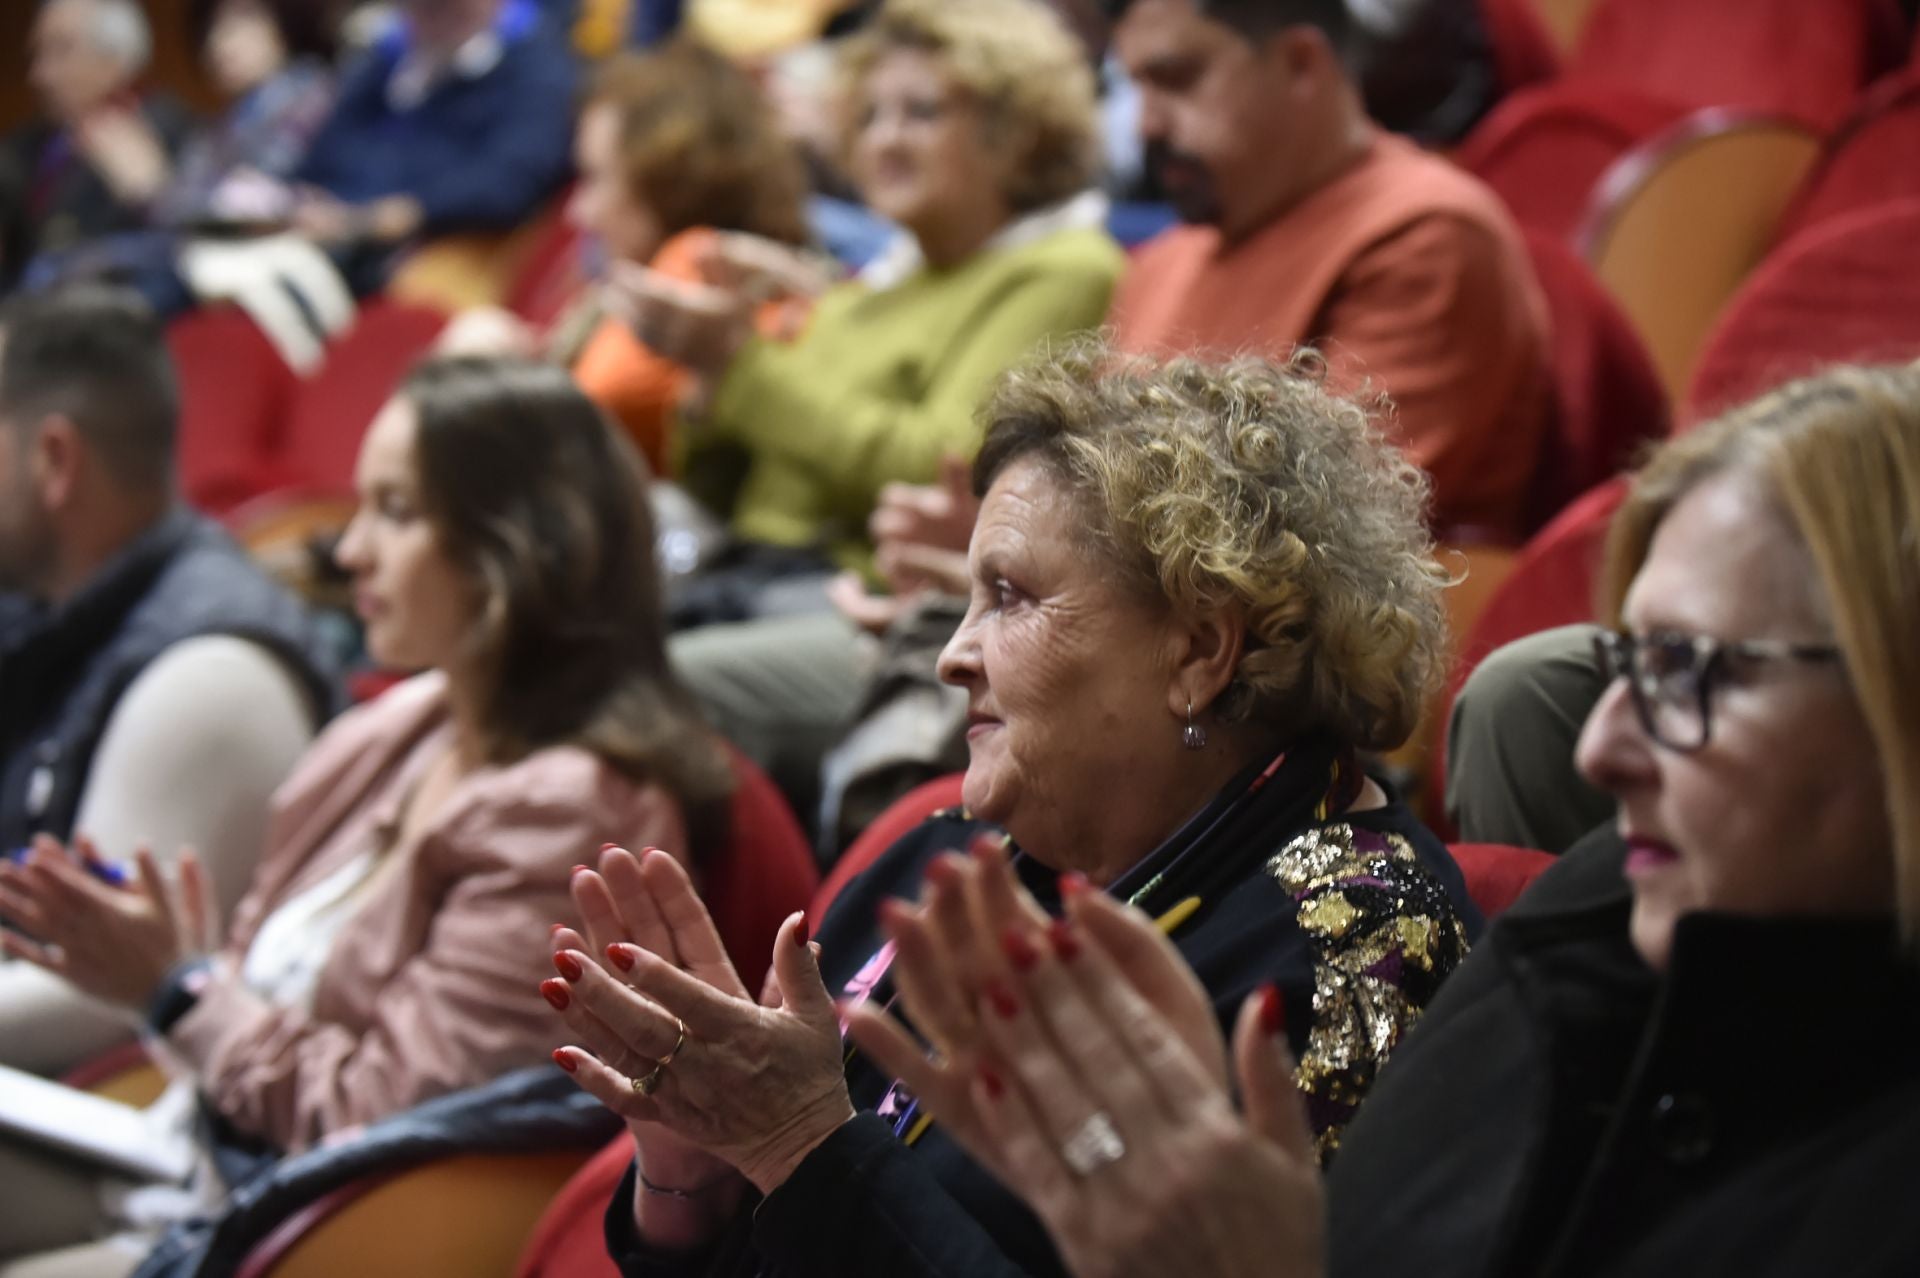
point(1307, 224)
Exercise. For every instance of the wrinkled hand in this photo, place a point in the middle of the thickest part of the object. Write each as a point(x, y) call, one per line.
point(975, 926)
point(755, 1084)
point(697, 325)
point(764, 270)
point(115, 943)
point(126, 152)
point(1183, 1182)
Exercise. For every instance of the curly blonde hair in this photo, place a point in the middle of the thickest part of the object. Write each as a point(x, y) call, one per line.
point(1249, 486)
point(1031, 78)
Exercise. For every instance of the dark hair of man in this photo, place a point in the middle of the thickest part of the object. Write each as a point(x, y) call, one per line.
point(94, 355)
point(1257, 19)
point(533, 492)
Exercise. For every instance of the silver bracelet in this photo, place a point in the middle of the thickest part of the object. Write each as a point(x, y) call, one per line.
point(684, 1195)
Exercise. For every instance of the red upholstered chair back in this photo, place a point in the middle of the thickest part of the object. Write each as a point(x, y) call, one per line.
point(909, 810)
point(551, 275)
point(764, 873)
point(1871, 159)
point(234, 394)
point(1608, 398)
point(1497, 874)
point(1808, 61)
point(1844, 291)
point(333, 408)
point(1543, 148)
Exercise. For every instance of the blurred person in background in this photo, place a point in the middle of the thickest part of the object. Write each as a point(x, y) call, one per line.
point(271, 60)
point(458, 117)
point(675, 150)
point(102, 149)
point(155, 685)
point(503, 546)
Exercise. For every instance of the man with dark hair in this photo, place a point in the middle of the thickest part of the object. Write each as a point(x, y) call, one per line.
point(155, 686)
point(1310, 224)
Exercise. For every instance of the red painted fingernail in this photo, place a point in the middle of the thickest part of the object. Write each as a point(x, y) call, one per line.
point(891, 912)
point(800, 931)
point(984, 846)
point(941, 871)
point(990, 1080)
point(1065, 943)
point(621, 956)
point(576, 869)
point(555, 929)
point(555, 992)
point(568, 966)
point(1019, 950)
point(608, 847)
point(1273, 1011)
point(1003, 1002)
point(1072, 884)
point(564, 1061)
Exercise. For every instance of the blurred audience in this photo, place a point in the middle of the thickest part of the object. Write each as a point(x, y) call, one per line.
point(102, 148)
point(974, 127)
point(270, 58)
point(156, 685)
point(503, 544)
point(674, 149)
point(458, 118)
point(1197, 592)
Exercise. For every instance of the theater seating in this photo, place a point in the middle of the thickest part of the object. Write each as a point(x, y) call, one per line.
point(1608, 401)
point(332, 409)
point(1807, 61)
point(1497, 874)
point(1679, 222)
point(1845, 290)
point(1872, 159)
point(1544, 149)
point(235, 391)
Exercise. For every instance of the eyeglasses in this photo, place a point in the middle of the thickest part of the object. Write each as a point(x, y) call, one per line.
point(1671, 676)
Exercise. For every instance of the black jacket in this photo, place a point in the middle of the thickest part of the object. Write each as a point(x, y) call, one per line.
point(1560, 1110)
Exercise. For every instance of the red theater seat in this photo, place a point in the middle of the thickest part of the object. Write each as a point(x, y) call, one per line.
point(1496, 873)
point(235, 392)
point(333, 408)
point(1872, 159)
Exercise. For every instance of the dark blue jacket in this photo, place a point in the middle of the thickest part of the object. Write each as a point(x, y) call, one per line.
point(62, 672)
point(478, 153)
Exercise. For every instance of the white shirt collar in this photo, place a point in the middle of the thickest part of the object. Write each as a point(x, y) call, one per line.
point(902, 259)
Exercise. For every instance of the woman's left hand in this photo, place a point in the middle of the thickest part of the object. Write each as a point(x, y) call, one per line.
point(758, 1085)
point(115, 943)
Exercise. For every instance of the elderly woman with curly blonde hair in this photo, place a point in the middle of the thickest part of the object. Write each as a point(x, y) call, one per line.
point(1197, 594)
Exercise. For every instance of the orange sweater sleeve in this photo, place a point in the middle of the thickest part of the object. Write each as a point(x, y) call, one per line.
point(640, 389)
point(1444, 320)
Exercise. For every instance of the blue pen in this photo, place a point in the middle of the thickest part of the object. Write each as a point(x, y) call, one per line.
point(106, 871)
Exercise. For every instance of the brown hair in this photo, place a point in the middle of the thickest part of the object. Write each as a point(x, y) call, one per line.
point(1029, 75)
point(1839, 454)
point(534, 493)
point(1248, 485)
point(699, 145)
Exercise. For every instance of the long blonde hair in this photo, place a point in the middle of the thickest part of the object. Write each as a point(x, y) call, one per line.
point(1840, 454)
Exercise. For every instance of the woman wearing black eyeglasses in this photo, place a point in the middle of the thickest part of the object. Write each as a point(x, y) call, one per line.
point(1694, 1048)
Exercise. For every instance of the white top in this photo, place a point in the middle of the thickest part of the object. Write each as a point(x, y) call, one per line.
point(293, 942)
point(191, 757)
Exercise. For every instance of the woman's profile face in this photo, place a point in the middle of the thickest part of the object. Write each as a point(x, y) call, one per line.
point(920, 154)
point(1067, 676)
point(416, 603)
point(1783, 810)
point(244, 48)
point(603, 203)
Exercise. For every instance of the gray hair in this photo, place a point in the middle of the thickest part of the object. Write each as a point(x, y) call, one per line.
point(119, 29)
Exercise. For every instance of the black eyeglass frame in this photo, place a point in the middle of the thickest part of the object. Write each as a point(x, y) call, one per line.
point(1617, 653)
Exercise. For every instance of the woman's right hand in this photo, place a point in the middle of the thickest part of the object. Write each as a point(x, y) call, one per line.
point(764, 270)
point(621, 902)
point(1126, 1144)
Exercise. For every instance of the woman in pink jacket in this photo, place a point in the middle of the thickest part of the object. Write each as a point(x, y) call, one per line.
point(503, 546)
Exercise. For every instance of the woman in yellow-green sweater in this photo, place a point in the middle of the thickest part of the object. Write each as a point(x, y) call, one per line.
point(972, 127)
